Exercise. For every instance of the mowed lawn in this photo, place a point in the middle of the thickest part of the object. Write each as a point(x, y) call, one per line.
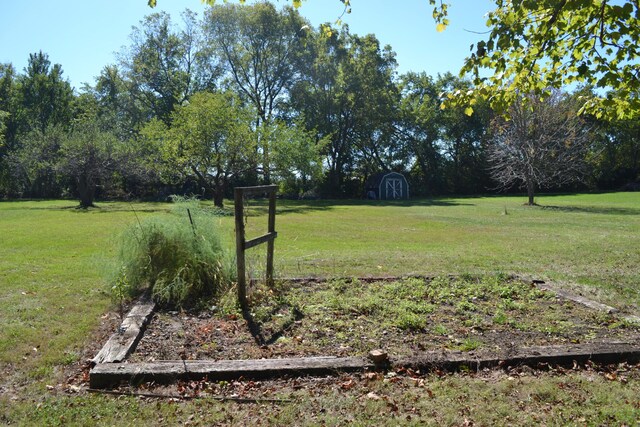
point(53, 294)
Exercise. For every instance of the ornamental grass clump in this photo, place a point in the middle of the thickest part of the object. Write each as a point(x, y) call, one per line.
point(178, 257)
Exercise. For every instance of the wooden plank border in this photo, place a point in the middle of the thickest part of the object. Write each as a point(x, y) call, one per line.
point(111, 374)
point(124, 341)
point(242, 244)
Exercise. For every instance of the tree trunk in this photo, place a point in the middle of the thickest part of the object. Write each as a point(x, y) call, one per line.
point(86, 191)
point(218, 195)
point(266, 168)
point(531, 187)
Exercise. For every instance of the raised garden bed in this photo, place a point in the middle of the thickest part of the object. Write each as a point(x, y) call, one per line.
point(444, 321)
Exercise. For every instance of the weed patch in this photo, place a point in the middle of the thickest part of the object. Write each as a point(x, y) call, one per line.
point(179, 257)
point(404, 317)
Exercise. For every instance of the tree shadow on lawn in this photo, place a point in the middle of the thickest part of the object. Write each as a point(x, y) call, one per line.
point(260, 207)
point(74, 206)
point(593, 210)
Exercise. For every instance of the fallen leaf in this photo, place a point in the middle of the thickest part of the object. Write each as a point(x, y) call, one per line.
point(371, 376)
point(347, 385)
point(373, 396)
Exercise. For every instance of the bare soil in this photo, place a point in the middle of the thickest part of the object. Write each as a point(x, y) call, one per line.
point(303, 321)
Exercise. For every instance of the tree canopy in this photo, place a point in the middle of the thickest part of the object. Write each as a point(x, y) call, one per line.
point(536, 45)
point(244, 95)
point(544, 144)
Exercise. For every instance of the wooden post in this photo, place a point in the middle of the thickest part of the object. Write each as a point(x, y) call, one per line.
point(239, 214)
point(242, 244)
point(270, 244)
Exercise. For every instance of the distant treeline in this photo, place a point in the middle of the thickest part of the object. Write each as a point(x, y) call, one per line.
point(248, 95)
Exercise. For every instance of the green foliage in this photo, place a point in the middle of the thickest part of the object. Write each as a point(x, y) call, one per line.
point(441, 329)
point(163, 66)
point(3, 126)
point(33, 163)
point(260, 48)
point(409, 311)
point(179, 261)
point(350, 76)
point(87, 160)
point(296, 161)
point(500, 317)
point(209, 141)
point(326, 110)
point(536, 45)
point(45, 95)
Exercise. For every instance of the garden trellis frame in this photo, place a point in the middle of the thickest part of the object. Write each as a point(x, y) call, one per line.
point(242, 244)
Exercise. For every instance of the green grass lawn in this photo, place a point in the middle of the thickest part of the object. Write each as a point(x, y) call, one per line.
point(586, 239)
point(52, 292)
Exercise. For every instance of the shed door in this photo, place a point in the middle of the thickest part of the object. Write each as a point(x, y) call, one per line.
point(394, 188)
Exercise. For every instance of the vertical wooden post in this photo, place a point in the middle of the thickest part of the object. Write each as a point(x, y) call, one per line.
point(239, 214)
point(242, 245)
point(270, 243)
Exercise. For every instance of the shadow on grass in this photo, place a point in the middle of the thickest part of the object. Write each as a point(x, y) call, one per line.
point(100, 207)
point(593, 210)
point(253, 207)
point(259, 207)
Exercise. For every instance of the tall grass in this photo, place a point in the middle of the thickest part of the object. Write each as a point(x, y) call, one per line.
point(178, 257)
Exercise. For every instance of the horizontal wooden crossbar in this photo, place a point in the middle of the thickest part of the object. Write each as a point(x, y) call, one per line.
point(256, 191)
point(258, 240)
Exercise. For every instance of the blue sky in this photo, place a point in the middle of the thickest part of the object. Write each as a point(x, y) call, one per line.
point(85, 35)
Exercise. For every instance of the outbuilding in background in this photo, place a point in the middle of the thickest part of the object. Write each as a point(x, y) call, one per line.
point(387, 186)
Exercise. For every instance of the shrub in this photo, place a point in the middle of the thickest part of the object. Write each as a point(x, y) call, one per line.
point(179, 257)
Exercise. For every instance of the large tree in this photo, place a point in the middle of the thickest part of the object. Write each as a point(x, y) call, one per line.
point(534, 45)
point(87, 160)
point(260, 48)
point(349, 97)
point(45, 96)
point(617, 159)
point(209, 141)
point(463, 140)
point(164, 64)
point(32, 163)
point(296, 160)
point(7, 124)
point(543, 144)
point(418, 131)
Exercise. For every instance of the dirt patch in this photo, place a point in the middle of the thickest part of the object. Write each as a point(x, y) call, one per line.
point(405, 317)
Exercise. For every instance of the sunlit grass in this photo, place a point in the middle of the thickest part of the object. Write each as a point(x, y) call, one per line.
point(52, 292)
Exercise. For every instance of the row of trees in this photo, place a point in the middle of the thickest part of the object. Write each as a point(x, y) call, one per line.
point(252, 94)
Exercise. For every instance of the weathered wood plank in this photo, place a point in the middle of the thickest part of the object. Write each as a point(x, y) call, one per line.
point(257, 190)
point(124, 341)
point(259, 240)
point(577, 298)
point(613, 352)
point(105, 375)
